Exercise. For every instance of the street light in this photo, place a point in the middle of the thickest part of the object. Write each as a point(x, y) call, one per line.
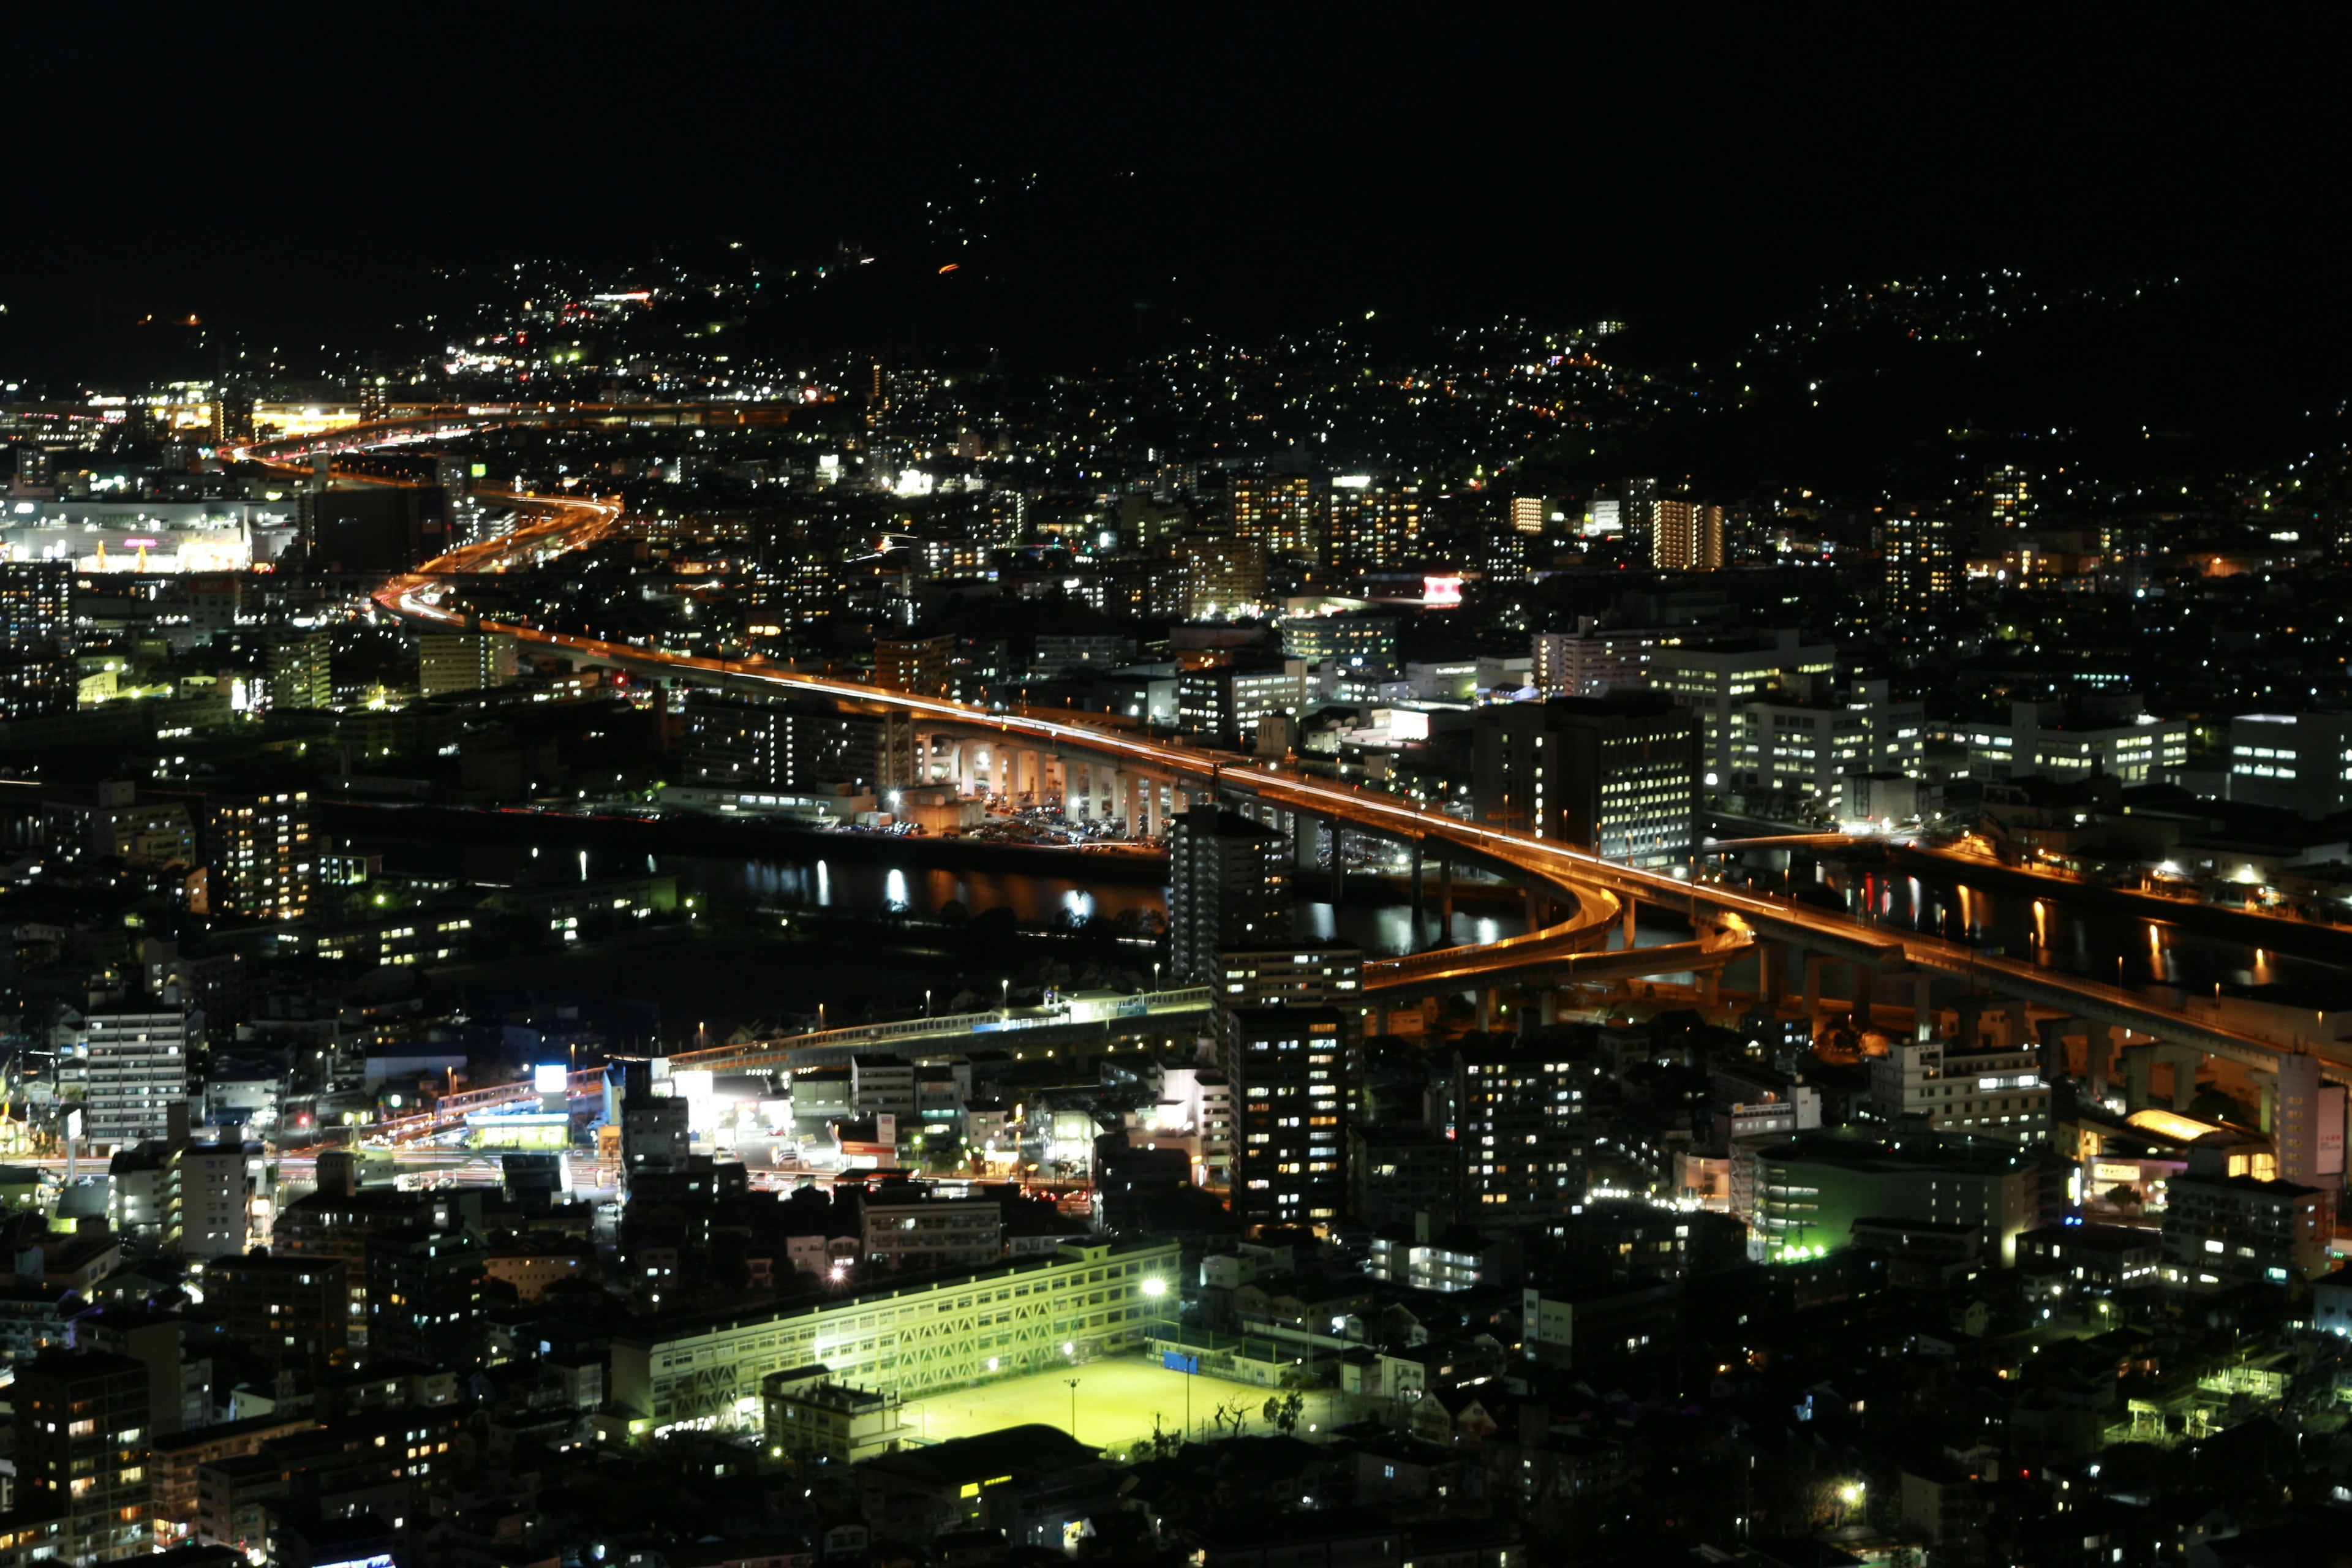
point(1074, 1407)
point(1004, 996)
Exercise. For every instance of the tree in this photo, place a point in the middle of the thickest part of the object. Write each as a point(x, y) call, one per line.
point(1232, 1413)
point(1283, 1413)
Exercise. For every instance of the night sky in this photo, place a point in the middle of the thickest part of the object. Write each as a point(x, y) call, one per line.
point(290, 173)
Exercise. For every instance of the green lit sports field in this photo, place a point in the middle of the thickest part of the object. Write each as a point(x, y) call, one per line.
point(1116, 1403)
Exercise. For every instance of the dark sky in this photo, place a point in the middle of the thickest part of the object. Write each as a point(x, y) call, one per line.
point(283, 170)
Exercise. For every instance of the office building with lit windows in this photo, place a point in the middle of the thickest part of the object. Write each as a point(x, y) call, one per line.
point(1616, 774)
point(1288, 1070)
point(1716, 679)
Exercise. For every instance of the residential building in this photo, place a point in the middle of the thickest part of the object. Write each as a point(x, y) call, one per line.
point(1371, 521)
point(1618, 774)
point(917, 665)
point(1521, 1120)
point(1224, 574)
point(36, 604)
point(424, 1298)
point(1398, 1171)
point(291, 1309)
point(1288, 1067)
point(1593, 662)
point(262, 857)
point(1278, 513)
point(1228, 887)
point(83, 1425)
point(209, 1194)
point(2091, 1259)
point(1686, 536)
point(137, 1062)
point(907, 1228)
point(301, 671)
point(2223, 1231)
point(1923, 565)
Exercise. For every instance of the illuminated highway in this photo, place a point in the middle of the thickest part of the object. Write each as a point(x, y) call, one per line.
point(1598, 888)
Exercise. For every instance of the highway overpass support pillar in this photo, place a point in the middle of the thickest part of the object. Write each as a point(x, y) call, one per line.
point(1486, 1009)
point(1444, 901)
point(1771, 971)
point(2050, 1042)
point(1420, 912)
point(1550, 1006)
point(1305, 841)
point(1632, 908)
point(2140, 1062)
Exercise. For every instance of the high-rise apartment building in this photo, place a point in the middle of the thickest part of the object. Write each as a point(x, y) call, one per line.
point(2008, 496)
point(1637, 509)
point(262, 861)
point(1592, 662)
point(209, 1197)
point(425, 1294)
point(1521, 1122)
point(292, 1310)
point(1529, 513)
point(1287, 1067)
point(1686, 536)
point(1228, 887)
point(1617, 775)
point(1278, 513)
point(1225, 574)
point(1923, 564)
point(302, 673)
point(138, 1070)
point(82, 1439)
point(1373, 521)
point(36, 604)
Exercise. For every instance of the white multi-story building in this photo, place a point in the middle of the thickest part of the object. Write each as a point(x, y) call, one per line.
point(1719, 680)
point(210, 1195)
point(137, 1062)
point(928, 1233)
point(1592, 662)
point(2037, 739)
point(1989, 1093)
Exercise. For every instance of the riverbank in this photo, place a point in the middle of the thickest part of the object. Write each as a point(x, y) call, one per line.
point(633, 836)
point(2323, 944)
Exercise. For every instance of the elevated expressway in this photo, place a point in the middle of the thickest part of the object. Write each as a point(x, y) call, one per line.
point(1598, 895)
